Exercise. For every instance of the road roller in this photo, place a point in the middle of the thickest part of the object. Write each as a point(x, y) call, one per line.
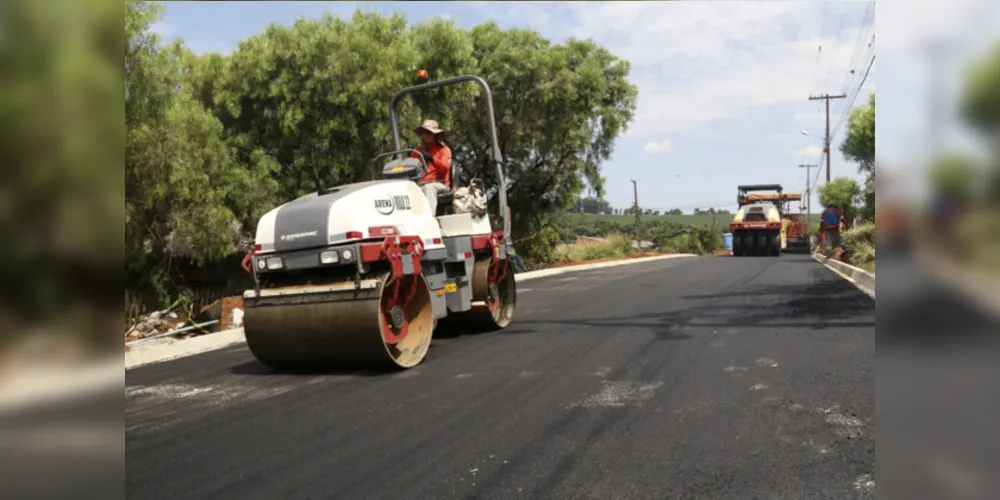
point(359, 275)
point(757, 227)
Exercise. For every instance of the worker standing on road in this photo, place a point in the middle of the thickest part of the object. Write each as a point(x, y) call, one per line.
point(515, 259)
point(438, 157)
point(833, 218)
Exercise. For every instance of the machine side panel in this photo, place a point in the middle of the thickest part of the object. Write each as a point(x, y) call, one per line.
point(458, 288)
point(436, 280)
point(398, 205)
point(303, 223)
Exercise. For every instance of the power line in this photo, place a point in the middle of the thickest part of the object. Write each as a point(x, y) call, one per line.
point(836, 41)
point(819, 48)
point(857, 55)
point(847, 110)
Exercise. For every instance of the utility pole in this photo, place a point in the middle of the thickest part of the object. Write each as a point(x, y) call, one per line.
point(635, 193)
point(808, 192)
point(937, 52)
point(826, 146)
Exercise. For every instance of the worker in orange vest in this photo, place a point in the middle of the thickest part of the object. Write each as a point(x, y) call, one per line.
point(437, 156)
point(833, 219)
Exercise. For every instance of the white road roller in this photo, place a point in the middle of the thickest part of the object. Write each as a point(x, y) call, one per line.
point(358, 275)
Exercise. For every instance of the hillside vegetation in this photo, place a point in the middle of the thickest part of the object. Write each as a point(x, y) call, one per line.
point(705, 220)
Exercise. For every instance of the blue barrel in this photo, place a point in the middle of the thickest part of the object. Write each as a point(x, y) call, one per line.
point(727, 241)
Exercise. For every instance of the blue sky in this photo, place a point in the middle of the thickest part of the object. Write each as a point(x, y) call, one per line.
point(723, 86)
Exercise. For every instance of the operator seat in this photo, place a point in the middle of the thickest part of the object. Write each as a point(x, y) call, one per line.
point(445, 199)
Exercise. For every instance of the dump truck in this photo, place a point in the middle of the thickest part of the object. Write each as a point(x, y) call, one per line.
point(757, 227)
point(359, 275)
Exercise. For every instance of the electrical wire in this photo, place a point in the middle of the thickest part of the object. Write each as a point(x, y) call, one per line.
point(836, 42)
point(854, 97)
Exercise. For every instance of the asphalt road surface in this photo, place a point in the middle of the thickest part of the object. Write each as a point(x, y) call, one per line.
point(702, 377)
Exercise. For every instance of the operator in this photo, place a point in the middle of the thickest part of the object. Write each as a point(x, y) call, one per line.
point(832, 220)
point(438, 157)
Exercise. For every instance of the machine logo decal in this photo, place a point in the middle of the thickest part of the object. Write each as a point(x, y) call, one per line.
point(384, 206)
point(295, 236)
point(402, 202)
point(387, 206)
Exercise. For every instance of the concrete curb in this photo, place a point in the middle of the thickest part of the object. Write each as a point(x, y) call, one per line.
point(41, 385)
point(977, 288)
point(599, 265)
point(215, 341)
point(863, 280)
point(183, 348)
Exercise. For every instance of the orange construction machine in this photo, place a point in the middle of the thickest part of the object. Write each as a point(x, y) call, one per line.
point(791, 230)
point(794, 226)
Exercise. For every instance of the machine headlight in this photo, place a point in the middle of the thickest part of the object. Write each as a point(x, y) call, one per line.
point(261, 263)
point(274, 263)
point(347, 254)
point(329, 257)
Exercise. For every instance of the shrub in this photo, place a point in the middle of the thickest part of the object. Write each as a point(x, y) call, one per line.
point(614, 246)
point(859, 243)
point(696, 240)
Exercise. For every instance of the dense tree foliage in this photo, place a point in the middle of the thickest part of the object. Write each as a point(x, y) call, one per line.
point(214, 141)
point(953, 174)
point(59, 102)
point(592, 205)
point(843, 191)
point(859, 147)
point(981, 107)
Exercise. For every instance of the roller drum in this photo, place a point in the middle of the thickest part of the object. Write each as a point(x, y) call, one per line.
point(343, 330)
point(502, 294)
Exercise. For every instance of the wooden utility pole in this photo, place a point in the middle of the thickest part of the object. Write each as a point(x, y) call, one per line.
point(826, 145)
point(635, 193)
point(808, 192)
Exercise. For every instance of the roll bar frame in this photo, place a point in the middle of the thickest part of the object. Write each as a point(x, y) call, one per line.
point(495, 144)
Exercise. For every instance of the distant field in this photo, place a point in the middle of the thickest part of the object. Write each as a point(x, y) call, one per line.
point(693, 220)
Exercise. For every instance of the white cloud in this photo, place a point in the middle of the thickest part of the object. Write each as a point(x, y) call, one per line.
point(657, 148)
point(696, 63)
point(808, 152)
point(816, 116)
point(162, 29)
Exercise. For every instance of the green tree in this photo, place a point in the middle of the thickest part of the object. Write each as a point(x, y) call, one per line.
point(187, 195)
point(843, 191)
point(859, 147)
point(953, 174)
point(981, 107)
point(60, 103)
point(315, 96)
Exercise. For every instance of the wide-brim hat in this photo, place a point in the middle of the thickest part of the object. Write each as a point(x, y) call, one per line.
point(430, 126)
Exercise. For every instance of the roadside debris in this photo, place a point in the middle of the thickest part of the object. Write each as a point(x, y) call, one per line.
point(223, 314)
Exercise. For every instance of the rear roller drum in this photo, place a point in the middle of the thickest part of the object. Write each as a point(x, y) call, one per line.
point(389, 326)
point(493, 283)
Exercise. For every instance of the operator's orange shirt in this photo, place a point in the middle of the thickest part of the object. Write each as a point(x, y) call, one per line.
point(439, 168)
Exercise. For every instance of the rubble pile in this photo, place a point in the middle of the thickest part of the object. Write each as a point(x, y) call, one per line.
point(223, 314)
point(154, 323)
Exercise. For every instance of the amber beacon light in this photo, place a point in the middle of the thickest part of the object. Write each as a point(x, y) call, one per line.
point(422, 75)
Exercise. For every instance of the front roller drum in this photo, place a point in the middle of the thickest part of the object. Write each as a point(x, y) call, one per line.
point(389, 326)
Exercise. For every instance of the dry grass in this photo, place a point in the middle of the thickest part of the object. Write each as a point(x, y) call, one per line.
point(611, 247)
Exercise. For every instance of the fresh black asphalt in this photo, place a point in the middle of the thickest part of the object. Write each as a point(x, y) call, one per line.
point(697, 377)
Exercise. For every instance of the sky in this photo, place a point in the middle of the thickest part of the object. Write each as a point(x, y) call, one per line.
point(724, 87)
